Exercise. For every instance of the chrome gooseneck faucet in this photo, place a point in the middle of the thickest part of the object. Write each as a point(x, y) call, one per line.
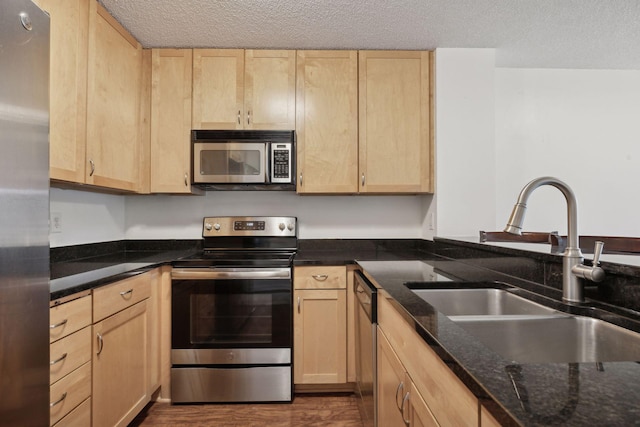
point(573, 268)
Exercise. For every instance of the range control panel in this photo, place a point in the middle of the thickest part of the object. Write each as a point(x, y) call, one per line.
point(261, 226)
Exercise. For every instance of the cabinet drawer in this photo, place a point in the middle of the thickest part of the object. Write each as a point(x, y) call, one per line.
point(320, 277)
point(69, 317)
point(116, 297)
point(69, 392)
point(79, 417)
point(69, 353)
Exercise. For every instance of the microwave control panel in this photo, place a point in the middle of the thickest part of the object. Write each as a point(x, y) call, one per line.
point(280, 162)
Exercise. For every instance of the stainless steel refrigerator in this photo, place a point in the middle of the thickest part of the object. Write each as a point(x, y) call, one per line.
point(24, 214)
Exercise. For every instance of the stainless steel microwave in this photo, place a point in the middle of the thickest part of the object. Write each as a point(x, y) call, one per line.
point(236, 159)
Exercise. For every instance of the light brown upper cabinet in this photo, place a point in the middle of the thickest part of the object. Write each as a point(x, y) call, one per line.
point(244, 89)
point(327, 121)
point(171, 121)
point(68, 87)
point(114, 149)
point(394, 122)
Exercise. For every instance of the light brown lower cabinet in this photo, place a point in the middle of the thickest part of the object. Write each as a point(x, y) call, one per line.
point(399, 401)
point(320, 325)
point(436, 396)
point(79, 417)
point(120, 366)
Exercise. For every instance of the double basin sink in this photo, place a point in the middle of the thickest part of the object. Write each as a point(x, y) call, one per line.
point(524, 331)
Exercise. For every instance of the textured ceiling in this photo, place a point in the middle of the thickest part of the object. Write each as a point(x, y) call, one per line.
point(525, 33)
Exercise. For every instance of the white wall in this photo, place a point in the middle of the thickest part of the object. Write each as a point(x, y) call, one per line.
point(180, 217)
point(465, 153)
point(581, 126)
point(86, 217)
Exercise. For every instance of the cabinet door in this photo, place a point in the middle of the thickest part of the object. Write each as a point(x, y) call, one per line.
point(391, 384)
point(419, 414)
point(113, 103)
point(218, 88)
point(120, 366)
point(320, 341)
point(171, 120)
point(270, 89)
point(327, 121)
point(395, 143)
point(68, 87)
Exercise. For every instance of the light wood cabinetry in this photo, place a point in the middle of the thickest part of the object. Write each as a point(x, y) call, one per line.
point(374, 109)
point(391, 384)
point(69, 392)
point(171, 120)
point(70, 359)
point(68, 87)
point(327, 121)
point(319, 323)
point(79, 417)
point(394, 122)
point(114, 151)
point(243, 89)
point(445, 396)
point(125, 367)
point(399, 401)
point(486, 419)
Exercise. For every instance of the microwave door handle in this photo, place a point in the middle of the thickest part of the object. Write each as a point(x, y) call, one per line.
point(267, 162)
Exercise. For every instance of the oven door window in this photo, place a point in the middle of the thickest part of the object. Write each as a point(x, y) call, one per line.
point(231, 313)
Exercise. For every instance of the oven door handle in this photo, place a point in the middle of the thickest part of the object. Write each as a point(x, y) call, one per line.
point(212, 274)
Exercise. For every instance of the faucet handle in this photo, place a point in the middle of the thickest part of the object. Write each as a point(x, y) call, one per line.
point(593, 273)
point(597, 251)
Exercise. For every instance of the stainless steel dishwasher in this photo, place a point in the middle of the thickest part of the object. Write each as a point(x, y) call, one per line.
point(365, 323)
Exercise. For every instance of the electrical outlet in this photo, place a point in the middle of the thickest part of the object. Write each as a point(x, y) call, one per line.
point(55, 224)
point(432, 221)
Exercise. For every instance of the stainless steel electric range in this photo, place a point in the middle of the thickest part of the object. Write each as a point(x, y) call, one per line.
point(231, 313)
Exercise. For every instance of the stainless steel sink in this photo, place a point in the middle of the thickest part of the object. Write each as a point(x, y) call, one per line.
point(481, 302)
point(543, 339)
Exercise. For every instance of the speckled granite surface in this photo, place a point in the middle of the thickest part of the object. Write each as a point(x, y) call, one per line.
point(78, 268)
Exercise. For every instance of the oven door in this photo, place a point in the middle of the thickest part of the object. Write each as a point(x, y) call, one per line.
point(230, 162)
point(231, 316)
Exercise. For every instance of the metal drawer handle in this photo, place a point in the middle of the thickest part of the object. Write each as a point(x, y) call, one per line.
point(59, 359)
point(320, 277)
point(298, 304)
point(64, 396)
point(57, 325)
point(186, 180)
point(100, 344)
point(404, 402)
point(248, 117)
point(363, 180)
point(300, 179)
point(93, 167)
point(400, 387)
point(238, 116)
point(124, 294)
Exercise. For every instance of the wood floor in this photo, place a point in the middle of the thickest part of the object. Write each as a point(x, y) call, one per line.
point(306, 410)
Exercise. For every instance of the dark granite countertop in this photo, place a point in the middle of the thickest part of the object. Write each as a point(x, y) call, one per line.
point(571, 394)
point(79, 268)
